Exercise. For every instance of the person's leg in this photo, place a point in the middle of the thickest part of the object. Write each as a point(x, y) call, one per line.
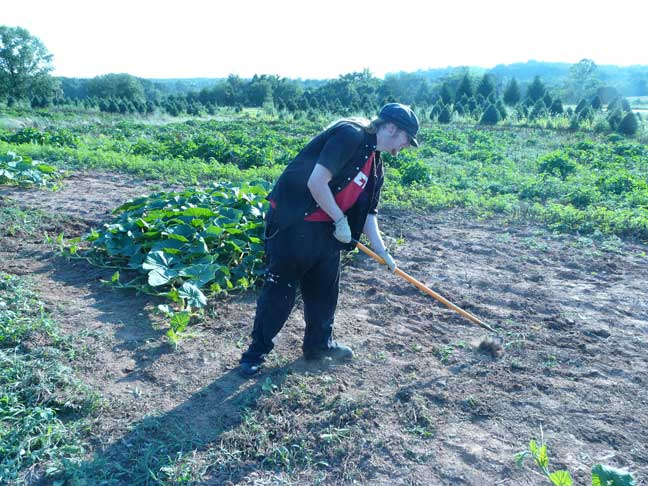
point(320, 287)
point(274, 305)
point(287, 254)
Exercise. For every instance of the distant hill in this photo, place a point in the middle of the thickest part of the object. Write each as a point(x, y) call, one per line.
point(629, 80)
point(407, 86)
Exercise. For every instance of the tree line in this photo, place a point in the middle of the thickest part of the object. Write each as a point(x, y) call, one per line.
point(468, 93)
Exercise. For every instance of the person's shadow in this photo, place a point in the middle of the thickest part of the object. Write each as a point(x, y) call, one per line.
point(156, 443)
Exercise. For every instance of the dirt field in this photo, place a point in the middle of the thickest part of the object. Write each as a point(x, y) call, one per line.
point(573, 313)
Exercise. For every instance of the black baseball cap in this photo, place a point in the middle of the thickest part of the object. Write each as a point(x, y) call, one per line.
point(403, 117)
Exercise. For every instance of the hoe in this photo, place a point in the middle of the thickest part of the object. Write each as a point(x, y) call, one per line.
point(491, 345)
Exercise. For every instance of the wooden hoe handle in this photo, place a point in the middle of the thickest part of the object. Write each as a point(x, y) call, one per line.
point(425, 289)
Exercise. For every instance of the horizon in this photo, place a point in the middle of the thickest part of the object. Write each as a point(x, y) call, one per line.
point(154, 40)
point(380, 77)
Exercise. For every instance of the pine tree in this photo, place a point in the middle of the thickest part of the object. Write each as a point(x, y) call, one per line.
point(465, 88)
point(556, 107)
point(490, 117)
point(522, 111)
point(512, 93)
point(122, 107)
point(446, 95)
point(501, 109)
point(628, 125)
point(436, 110)
point(113, 106)
point(547, 99)
point(172, 109)
point(614, 118)
point(596, 103)
point(614, 104)
point(536, 90)
point(486, 87)
point(585, 114)
point(582, 104)
point(445, 116)
point(539, 110)
point(625, 106)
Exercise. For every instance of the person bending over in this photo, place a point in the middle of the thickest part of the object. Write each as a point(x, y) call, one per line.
point(325, 198)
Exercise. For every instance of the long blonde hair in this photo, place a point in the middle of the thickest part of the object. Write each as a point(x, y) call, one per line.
point(369, 126)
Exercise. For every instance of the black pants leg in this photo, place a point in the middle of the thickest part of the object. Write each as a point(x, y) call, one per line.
point(304, 254)
point(320, 288)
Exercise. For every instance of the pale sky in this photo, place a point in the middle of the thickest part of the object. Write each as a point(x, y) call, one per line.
point(308, 39)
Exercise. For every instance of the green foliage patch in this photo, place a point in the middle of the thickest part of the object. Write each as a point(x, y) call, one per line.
point(569, 183)
point(185, 245)
point(602, 475)
point(572, 182)
point(23, 171)
point(37, 391)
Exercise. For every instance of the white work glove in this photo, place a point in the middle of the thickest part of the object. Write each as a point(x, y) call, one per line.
point(389, 261)
point(342, 230)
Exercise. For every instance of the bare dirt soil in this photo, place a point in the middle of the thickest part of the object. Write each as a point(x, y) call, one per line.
point(573, 314)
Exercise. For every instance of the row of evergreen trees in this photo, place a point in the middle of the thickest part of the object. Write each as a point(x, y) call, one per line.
point(479, 100)
point(484, 104)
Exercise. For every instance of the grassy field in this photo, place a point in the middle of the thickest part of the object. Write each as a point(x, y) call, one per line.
point(44, 404)
point(165, 416)
point(570, 181)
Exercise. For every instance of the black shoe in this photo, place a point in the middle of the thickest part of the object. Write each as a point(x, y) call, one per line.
point(249, 369)
point(338, 352)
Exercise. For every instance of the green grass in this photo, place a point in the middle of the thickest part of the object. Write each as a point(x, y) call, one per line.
point(569, 182)
point(43, 404)
point(291, 428)
point(15, 220)
point(579, 181)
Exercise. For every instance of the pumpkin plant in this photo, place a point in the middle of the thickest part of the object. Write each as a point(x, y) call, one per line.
point(184, 246)
point(602, 475)
point(23, 171)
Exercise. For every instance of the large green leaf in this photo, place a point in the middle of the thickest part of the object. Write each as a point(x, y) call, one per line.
point(609, 476)
point(212, 231)
point(200, 275)
point(158, 260)
point(166, 245)
point(185, 230)
point(158, 277)
point(192, 295)
point(198, 212)
point(561, 478)
point(230, 215)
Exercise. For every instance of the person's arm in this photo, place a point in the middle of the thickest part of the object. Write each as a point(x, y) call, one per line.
point(375, 239)
point(373, 233)
point(321, 192)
